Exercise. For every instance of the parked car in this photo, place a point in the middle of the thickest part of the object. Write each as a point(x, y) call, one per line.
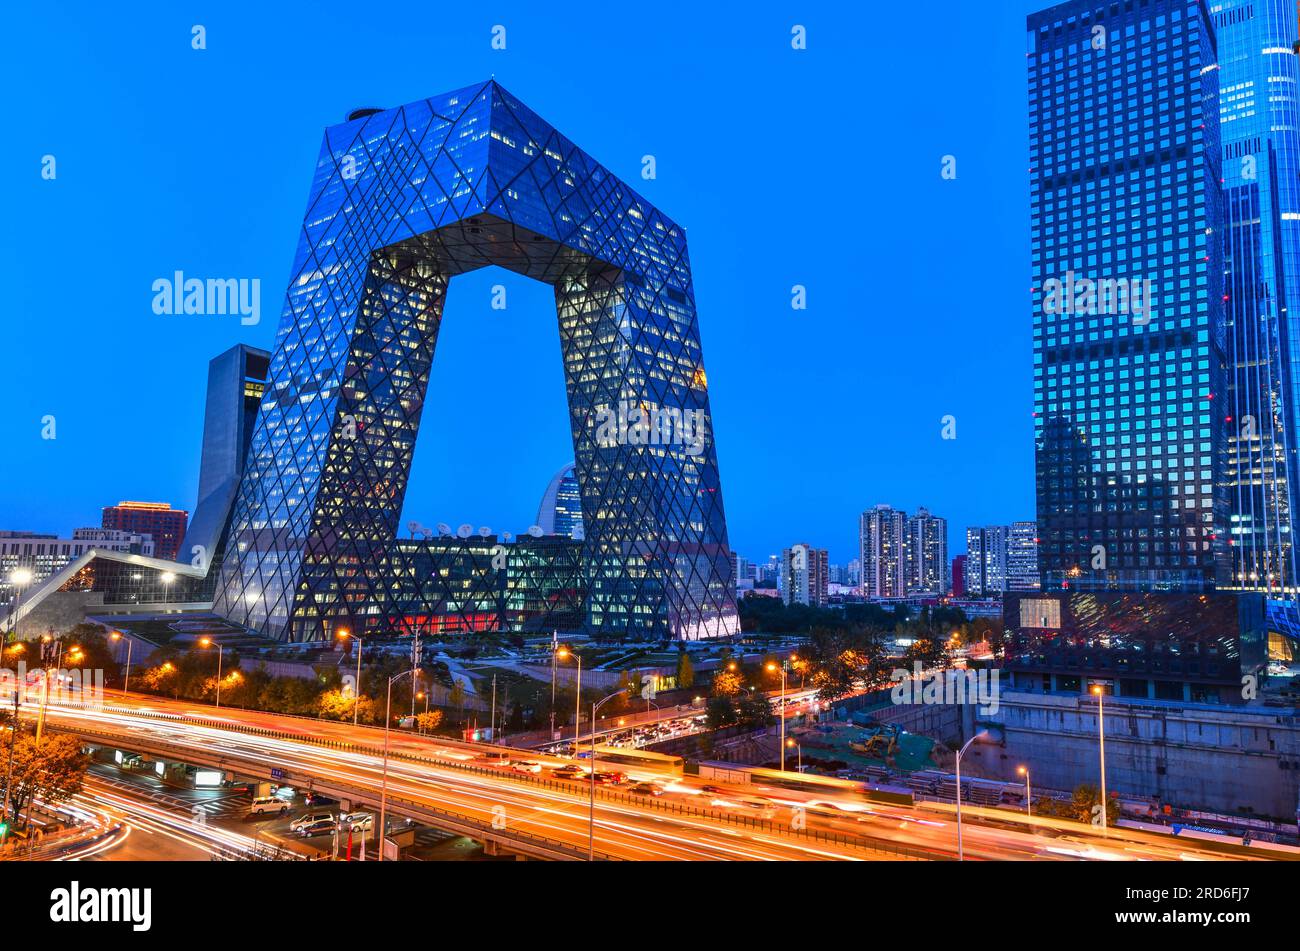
point(264, 805)
point(319, 827)
point(310, 818)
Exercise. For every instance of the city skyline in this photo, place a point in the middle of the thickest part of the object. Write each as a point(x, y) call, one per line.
point(750, 328)
point(383, 574)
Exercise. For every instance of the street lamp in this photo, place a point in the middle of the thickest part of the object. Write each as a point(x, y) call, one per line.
point(1098, 692)
point(961, 855)
point(577, 703)
point(344, 634)
point(773, 667)
point(1029, 798)
point(208, 642)
point(45, 681)
point(126, 681)
point(424, 695)
point(383, 793)
point(798, 750)
point(554, 634)
point(658, 716)
point(591, 819)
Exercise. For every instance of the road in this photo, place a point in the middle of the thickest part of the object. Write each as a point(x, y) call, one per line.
point(667, 828)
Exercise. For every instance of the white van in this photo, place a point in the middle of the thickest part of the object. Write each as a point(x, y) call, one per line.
point(268, 804)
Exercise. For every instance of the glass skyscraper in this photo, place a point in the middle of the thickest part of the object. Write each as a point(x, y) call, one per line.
point(403, 200)
point(560, 512)
point(1130, 326)
point(1261, 180)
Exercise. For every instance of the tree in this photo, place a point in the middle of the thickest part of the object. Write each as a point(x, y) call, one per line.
point(685, 671)
point(727, 683)
point(456, 696)
point(428, 721)
point(96, 653)
point(755, 712)
point(720, 712)
point(336, 705)
point(50, 770)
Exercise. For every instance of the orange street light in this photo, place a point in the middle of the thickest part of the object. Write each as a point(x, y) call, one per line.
point(343, 634)
point(207, 642)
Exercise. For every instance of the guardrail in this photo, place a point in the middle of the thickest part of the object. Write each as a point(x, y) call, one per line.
point(864, 842)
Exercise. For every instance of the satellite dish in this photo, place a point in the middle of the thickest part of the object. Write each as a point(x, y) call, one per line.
point(465, 531)
point(484, 531)
point(535, 531)
point(412, 526)
point(444, 528)
point(427, 533)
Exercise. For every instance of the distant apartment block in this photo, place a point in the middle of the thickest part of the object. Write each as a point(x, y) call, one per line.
point(804, 575)
point(158, 519)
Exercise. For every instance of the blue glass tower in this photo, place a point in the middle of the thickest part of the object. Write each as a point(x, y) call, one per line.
point(402, 201)
point(560, 512)
point(1261, 173)
point(1130, 332)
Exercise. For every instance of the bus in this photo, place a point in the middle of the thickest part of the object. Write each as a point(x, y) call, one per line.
point(805, 783)
point(645, 759)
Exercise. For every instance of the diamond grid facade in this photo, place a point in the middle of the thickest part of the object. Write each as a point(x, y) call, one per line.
point(404, 200)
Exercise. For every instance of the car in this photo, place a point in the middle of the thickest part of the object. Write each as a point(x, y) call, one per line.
point(495, 757)
point(609, 778)
point(526, 766)
point(263, 805)
point(308, 819)
point(715, 790)
point(319, 827)
point(358, 821)
point(646, 789)
point(569, 772)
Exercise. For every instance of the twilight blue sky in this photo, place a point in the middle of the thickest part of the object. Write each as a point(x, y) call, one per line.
point(818, 167)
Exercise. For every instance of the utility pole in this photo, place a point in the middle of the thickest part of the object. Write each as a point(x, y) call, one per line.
point(415, 667)
point(554, 646)
point(494, 708)
point(9, 770)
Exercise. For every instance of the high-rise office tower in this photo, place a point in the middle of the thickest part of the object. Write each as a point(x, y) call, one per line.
point(236, 383)
point(882, 544)
point(1258, 116)
point(1022, 556)
point(986, 561)
point(804, 575)
point(560, 512)
point(927, 554)
point(959, 576)
point(403, 202)
point(1130, 335)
